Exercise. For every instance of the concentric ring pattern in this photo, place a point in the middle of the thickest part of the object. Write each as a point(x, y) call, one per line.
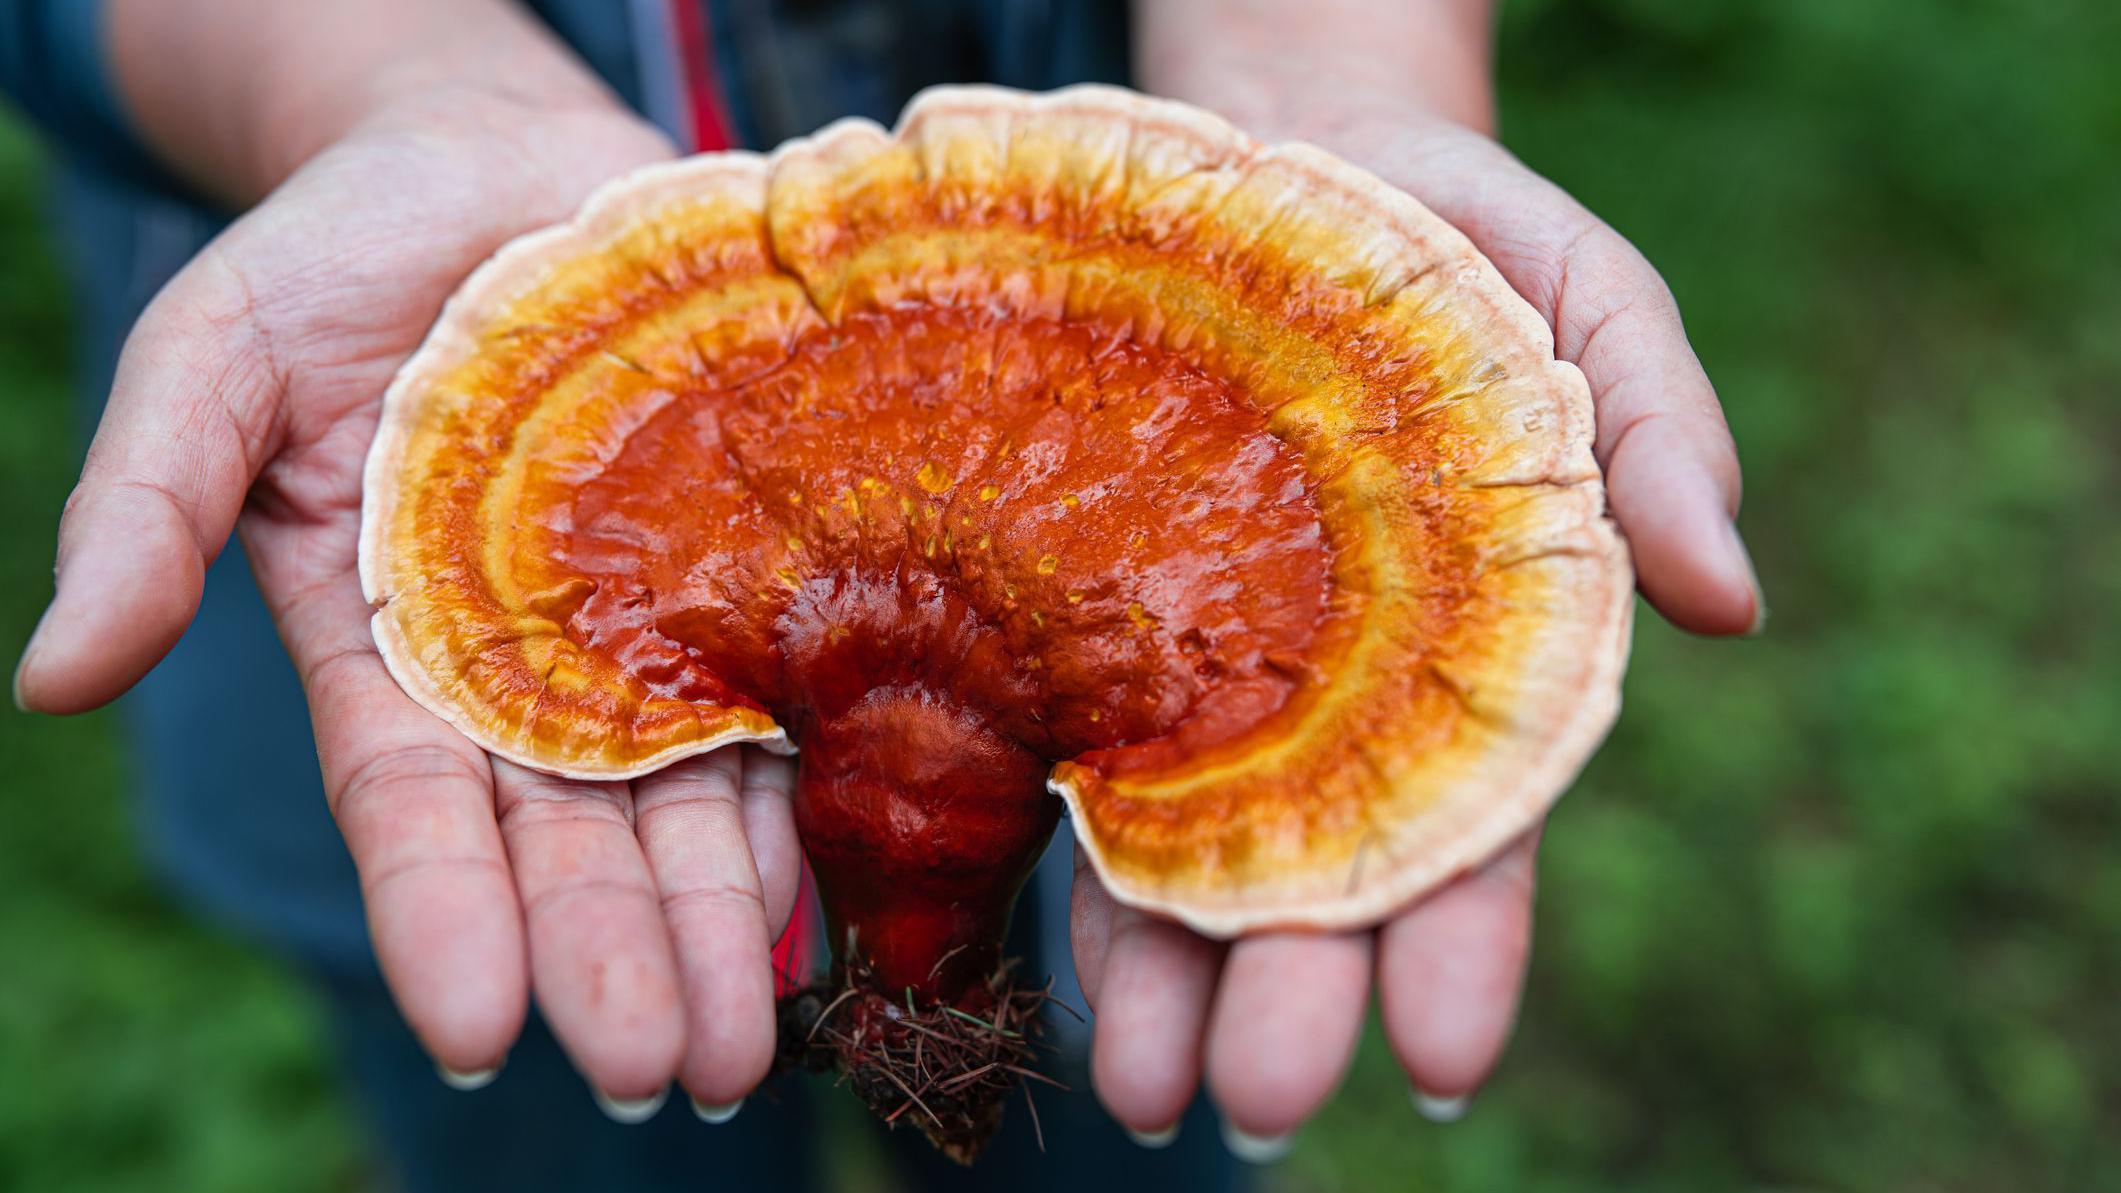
point(1223, 477)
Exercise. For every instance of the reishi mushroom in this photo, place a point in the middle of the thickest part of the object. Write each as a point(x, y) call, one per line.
point(1065, 448)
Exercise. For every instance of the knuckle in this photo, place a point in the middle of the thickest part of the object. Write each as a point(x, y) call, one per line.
point(702, 778)
point(544, 899)
point(763, 781)
point(392, 771)
point(391, 874)
point(1605, 282)
point(718, 900)
point(545, 803)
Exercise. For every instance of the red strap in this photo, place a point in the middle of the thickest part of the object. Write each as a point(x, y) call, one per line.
point(795, 954)
point(710, 120)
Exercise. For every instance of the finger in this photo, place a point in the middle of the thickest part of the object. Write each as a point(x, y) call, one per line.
point(1090, 916)
point(1152, 1008)
point(1671, 471)
point(600, 958)
point(690, 820)
point(1278, 1043)
point(769, 824)
point(414, 801)
point(1450, 969)
point(192, 414)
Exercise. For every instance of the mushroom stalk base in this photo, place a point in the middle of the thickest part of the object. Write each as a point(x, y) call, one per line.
point(947, 1070)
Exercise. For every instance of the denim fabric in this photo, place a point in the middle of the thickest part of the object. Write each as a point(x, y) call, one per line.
point(51, 67)
point(787, 66)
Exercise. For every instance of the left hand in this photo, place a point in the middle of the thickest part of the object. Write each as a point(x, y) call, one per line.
point(641, 915)
point(1448, 969)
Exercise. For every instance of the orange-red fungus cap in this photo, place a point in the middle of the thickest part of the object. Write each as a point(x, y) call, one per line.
point(1224, 479)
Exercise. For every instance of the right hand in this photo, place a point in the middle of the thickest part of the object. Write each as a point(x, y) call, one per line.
point(246, 398)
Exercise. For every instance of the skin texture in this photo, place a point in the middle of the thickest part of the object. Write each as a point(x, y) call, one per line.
point(640, 913)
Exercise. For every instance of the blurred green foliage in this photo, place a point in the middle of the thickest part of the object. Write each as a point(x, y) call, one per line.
point(1835, 909)
point(137, 1051)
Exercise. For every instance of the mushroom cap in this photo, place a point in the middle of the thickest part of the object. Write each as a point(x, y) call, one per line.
point(1225, 476)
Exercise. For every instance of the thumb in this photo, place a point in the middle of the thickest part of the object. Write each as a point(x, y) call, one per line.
point(192, 416)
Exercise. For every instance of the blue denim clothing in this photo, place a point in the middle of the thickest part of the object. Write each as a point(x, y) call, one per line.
point(787, 66)
point(232, 807)
point(51, 67)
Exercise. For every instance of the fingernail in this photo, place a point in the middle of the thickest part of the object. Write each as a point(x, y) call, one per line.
point(716, 1114)
point(1752, 580)
point(1153, 1140)
point(1256, 1149)
point(1441, 1110)
point(466, 1079)
point(630, 1110)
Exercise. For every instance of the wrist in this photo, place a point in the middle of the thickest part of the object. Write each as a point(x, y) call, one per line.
point(1340, 73)
point(536, 130)
point(236, 94)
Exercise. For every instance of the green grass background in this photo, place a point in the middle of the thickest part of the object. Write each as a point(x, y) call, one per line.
point(1837, 908)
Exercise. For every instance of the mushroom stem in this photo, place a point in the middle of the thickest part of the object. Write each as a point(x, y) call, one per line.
point(921, 823)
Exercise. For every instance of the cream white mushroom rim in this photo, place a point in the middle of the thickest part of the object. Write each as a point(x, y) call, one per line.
point(1451, 837)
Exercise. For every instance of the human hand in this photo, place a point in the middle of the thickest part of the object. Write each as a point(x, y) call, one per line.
point(247, 396)
point(1272, 1019)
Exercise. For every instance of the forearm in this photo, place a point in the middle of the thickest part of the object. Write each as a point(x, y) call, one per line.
point(1338, 71)
point(235, 94)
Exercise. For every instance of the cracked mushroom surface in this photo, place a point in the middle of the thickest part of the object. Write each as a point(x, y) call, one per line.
point(1069, 446)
